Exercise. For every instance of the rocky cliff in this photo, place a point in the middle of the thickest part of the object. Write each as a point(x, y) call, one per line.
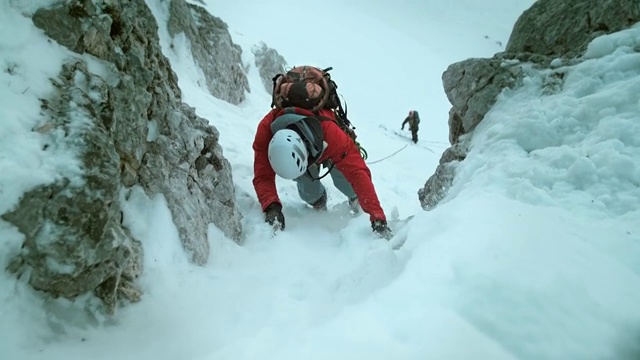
point(550, 29)
point(118, 106)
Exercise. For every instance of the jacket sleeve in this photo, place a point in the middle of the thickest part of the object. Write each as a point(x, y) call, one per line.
point(346, 157)
point(264, 178)
point(406, 120)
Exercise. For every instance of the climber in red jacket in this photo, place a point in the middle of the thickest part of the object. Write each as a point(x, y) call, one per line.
point(292, 143)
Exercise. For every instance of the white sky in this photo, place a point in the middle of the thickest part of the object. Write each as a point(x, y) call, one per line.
point(534, 255)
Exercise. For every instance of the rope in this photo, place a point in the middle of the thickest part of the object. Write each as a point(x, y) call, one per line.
point(385, 158)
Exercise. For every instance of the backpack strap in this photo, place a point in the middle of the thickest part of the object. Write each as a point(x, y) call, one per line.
point(343, 122)
point(273, 89)
point(320, 177)
point(307, 125)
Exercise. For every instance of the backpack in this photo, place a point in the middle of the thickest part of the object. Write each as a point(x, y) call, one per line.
point(311, 88)
point(415, 117)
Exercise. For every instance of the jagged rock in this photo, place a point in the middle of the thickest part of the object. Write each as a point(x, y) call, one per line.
point(564, 28)
point(124, 117)
point(548, 32)
point(269, 63)
point(197, 192)
point(455, 126)
point(74, 239)
point(212, 49)
point(472, 87)
point(437, 186)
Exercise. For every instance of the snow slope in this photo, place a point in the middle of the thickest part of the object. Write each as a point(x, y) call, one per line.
point(533, 256)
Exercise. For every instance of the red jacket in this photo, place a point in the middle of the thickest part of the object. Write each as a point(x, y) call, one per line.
point(340, 149)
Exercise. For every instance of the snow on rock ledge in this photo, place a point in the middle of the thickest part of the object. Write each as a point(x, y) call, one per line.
point(106, 109)
point(212, 48)
point(269, 63)
point(549, 33)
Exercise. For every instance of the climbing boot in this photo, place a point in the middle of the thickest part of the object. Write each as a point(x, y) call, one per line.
point(320, 204)
point(354, 205)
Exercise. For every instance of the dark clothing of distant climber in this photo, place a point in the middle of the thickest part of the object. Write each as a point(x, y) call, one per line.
point(413, 120)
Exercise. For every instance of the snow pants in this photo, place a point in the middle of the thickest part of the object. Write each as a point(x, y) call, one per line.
point(311, 190)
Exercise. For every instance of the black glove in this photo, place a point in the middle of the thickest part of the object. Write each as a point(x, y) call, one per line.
point(274, 216)
point(380, 227)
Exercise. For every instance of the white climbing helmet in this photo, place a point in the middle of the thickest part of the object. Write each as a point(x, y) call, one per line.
point(288, 155)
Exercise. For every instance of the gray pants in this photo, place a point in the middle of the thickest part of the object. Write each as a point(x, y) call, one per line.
point(311, 190)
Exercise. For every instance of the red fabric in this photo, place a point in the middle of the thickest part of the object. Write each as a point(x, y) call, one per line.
point(340, 149)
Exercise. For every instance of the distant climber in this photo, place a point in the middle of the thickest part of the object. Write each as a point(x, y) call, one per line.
point(413, 120)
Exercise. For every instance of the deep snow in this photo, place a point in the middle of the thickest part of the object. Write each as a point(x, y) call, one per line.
point(534, 255)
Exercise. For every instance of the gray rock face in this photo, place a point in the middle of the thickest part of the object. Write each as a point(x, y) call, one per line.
point(472, 87)
point(74, 240)
point(455, 126)
point(269, 63)
point(129, 127)
point(565, 28)
point(185, 163)
point(212, 48)
point(549, 29)
point(438, 184)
